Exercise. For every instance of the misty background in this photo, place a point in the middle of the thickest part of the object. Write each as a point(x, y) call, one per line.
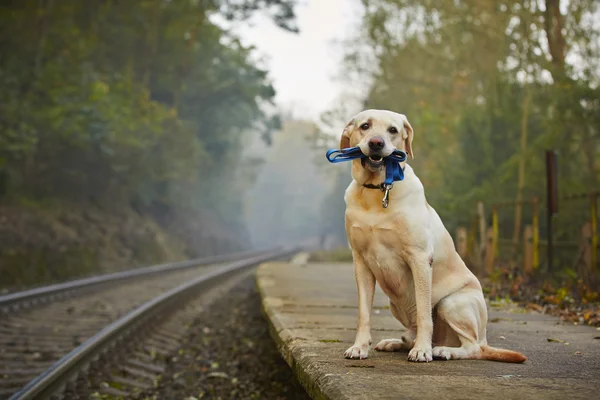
point(146, 131)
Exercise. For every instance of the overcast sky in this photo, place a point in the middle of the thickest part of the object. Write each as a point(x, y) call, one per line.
point(304, 66)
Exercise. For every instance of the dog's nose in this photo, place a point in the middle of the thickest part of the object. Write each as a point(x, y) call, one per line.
point(376, 143)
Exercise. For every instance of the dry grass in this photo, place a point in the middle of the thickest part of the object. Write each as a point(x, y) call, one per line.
point(340, 254)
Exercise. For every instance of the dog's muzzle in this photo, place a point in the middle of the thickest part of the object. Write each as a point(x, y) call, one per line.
point(374, 161)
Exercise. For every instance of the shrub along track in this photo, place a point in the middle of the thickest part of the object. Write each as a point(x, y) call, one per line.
point(35, 334)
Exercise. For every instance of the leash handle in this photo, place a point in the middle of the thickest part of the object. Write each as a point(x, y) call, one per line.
point(336, 156)
point(393, 172)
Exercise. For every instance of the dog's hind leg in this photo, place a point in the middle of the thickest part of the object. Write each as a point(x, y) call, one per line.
point(465, 313)
point(407, 340)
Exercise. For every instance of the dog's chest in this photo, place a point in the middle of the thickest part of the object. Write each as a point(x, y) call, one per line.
point(378, 239)
point(378, 233)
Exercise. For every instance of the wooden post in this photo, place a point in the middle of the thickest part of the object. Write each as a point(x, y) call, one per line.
point(594, 231)
point(528, 250)
point(472, 251)
point(489, 251)
point(495, 228)
point(551, 201)
point(585, 247)
point(535, 261)
point(482, 231)
point(461, 242)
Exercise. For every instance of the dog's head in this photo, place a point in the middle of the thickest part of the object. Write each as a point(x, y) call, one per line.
point(377, 133)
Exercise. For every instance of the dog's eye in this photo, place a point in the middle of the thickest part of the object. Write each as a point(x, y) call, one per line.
point(365, 126)
point(392, 130)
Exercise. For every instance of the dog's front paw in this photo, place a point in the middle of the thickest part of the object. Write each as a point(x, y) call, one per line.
point(357, 351)
point(420, 354)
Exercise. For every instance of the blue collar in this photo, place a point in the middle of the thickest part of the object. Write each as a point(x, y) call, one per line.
point(393, 172)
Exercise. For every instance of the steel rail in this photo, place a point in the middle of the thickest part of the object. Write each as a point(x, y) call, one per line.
point(12, 301)
point(67, 368)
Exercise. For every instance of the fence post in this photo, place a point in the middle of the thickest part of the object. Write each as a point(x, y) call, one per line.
point(495, 228)
point(472, 251)
point(594, 231)
point(551, 201)
point(528, 250)
point(489, 251)
point(535, 261)
point(461, 242)
point(482, 231)
point(586, 247)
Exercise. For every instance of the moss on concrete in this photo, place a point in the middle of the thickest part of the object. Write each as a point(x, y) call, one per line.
point(285, 345)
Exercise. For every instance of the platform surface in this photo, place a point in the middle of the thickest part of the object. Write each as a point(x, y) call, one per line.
point(311, 310)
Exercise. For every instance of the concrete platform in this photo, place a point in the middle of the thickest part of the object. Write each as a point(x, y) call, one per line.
point(312, 311)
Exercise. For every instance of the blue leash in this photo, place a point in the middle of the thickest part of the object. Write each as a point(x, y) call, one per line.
point(393, 171)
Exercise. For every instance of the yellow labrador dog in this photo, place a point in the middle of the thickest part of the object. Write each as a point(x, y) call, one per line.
point(409, 252)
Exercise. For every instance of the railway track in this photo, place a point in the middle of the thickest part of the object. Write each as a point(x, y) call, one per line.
point(92, 326)
point(23, 300)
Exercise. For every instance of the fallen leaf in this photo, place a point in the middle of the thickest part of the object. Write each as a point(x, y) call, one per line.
point(502, 338)
point(535, 307)
point(498, 319)
point(217, 375)
point(578, 353)
point(556, 340)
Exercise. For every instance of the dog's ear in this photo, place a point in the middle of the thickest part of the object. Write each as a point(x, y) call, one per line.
point(408, 137)
point(345, 139)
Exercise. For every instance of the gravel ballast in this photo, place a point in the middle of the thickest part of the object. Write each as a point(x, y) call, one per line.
point(229, 355)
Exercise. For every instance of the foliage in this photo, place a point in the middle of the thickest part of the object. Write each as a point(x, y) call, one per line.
point(488, 86)
point(142, 103)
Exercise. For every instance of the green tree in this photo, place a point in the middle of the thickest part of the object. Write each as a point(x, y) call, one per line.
point(142, 104)
point(488, 86)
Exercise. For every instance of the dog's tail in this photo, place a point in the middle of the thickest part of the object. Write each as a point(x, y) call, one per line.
point(495, 354)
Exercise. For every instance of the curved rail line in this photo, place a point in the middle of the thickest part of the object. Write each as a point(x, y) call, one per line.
point(17, 301)
point(81, 364)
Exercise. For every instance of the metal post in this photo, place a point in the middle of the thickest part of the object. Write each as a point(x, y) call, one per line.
point(550, 248)
point(594, 226)
point(552, 199)
point(536, 234)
